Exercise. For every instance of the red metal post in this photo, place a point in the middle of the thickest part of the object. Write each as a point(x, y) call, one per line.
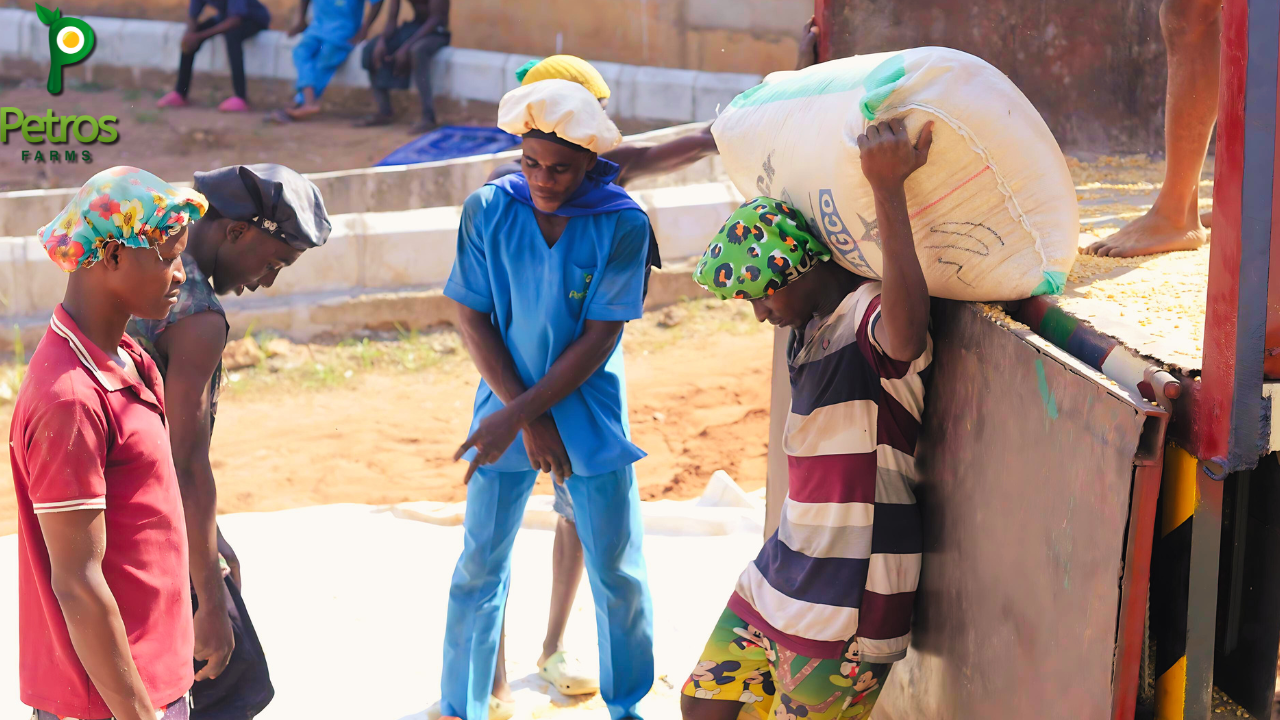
point(1135, 585)
point(1224, 260)
point(1271, 363)
point(1230, 406)
point(824, 13)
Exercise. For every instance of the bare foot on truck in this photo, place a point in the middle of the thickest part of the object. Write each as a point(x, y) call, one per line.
point(1153, 233)
point(1191, 31)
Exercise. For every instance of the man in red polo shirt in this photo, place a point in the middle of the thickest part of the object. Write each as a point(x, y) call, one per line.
point(104, 603)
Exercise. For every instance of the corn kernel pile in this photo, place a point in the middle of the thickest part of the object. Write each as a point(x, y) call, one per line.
point(1155, 304)
point(996, 314)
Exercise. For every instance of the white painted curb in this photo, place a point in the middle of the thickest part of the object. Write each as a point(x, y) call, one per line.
point(383, 251)
point(638, 93)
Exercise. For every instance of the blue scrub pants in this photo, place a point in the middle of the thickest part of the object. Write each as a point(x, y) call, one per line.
point(607, 509)
point(317, 60)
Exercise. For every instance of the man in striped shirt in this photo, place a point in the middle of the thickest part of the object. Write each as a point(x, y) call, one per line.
point(816, 621)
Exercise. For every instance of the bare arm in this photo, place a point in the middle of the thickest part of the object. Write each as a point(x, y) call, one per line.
point(77, 541)
point(542, 440)
point(369, 17)
point(577, 363)
point(228, 24)
point(437, 15)
point(490, 354)
point(393, 19)
point(807, 55)
point(641, 160)
point(301, 24)
point(194, 346)
point(888, 159)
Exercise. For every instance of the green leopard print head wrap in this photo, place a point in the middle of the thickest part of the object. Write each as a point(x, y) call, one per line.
point(764, 245)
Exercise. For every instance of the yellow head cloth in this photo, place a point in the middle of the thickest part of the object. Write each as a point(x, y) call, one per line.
point(571, 68)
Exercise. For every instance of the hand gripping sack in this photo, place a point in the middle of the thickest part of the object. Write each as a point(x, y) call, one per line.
point(994, 210)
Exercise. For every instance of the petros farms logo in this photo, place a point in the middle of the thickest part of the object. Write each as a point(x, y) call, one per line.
point(71, 40)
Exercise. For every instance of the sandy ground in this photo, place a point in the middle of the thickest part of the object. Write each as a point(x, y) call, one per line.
point(286, 440)
point(176, 143)
point(391, 438)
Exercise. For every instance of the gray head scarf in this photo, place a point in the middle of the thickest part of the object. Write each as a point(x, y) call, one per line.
point(274, 198)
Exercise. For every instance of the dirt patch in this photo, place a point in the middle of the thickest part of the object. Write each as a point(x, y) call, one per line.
point(378, 421)
point(175, 143)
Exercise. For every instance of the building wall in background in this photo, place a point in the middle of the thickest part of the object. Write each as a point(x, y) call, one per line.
point(744, 36)
point(1094, 68)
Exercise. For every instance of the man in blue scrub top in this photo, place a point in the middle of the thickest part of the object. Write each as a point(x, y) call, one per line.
point(550, 266)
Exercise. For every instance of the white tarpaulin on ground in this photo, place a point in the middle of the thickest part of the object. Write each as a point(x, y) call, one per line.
point(349, 602)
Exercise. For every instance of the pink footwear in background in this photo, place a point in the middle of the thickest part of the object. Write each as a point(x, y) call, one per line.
point(233, 104)
point(171, 99)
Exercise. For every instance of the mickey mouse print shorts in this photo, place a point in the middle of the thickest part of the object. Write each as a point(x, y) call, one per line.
point(741, 665)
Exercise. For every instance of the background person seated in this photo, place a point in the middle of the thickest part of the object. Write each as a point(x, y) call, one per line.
point(405, 51)
point(327, 39)
point(237, 21)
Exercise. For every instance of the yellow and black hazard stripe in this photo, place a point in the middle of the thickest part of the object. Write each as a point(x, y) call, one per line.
point(1170, 581)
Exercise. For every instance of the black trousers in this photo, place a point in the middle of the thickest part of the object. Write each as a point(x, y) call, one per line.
point(385, 79)
point(244, 688)
point(235, 55)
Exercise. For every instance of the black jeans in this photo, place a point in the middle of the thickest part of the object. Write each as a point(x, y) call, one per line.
point(244, 688)
point(235, 55)
point(384, 79)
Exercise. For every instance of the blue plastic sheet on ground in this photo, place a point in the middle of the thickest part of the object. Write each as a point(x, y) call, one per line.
point(449, 142)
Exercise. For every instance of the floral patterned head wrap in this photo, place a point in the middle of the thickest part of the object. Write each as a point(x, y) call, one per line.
point(124, 205)
point(763, 246)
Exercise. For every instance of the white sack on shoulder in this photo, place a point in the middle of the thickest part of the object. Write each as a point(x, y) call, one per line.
point(993, 213)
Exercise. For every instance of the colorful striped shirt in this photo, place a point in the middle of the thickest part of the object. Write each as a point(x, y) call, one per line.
point(845, 561)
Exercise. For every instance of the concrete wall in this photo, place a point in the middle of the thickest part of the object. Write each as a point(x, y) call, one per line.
point(751, 36)
point(639, 93)
point(1094, 68)
point(398, 257)
point(406, 187)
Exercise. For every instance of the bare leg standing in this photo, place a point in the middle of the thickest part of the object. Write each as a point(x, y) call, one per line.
point(566, 574)
point(1192, 30)
point(501, 688)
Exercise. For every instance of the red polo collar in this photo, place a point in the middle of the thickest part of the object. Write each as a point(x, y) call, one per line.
point(105, 371)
